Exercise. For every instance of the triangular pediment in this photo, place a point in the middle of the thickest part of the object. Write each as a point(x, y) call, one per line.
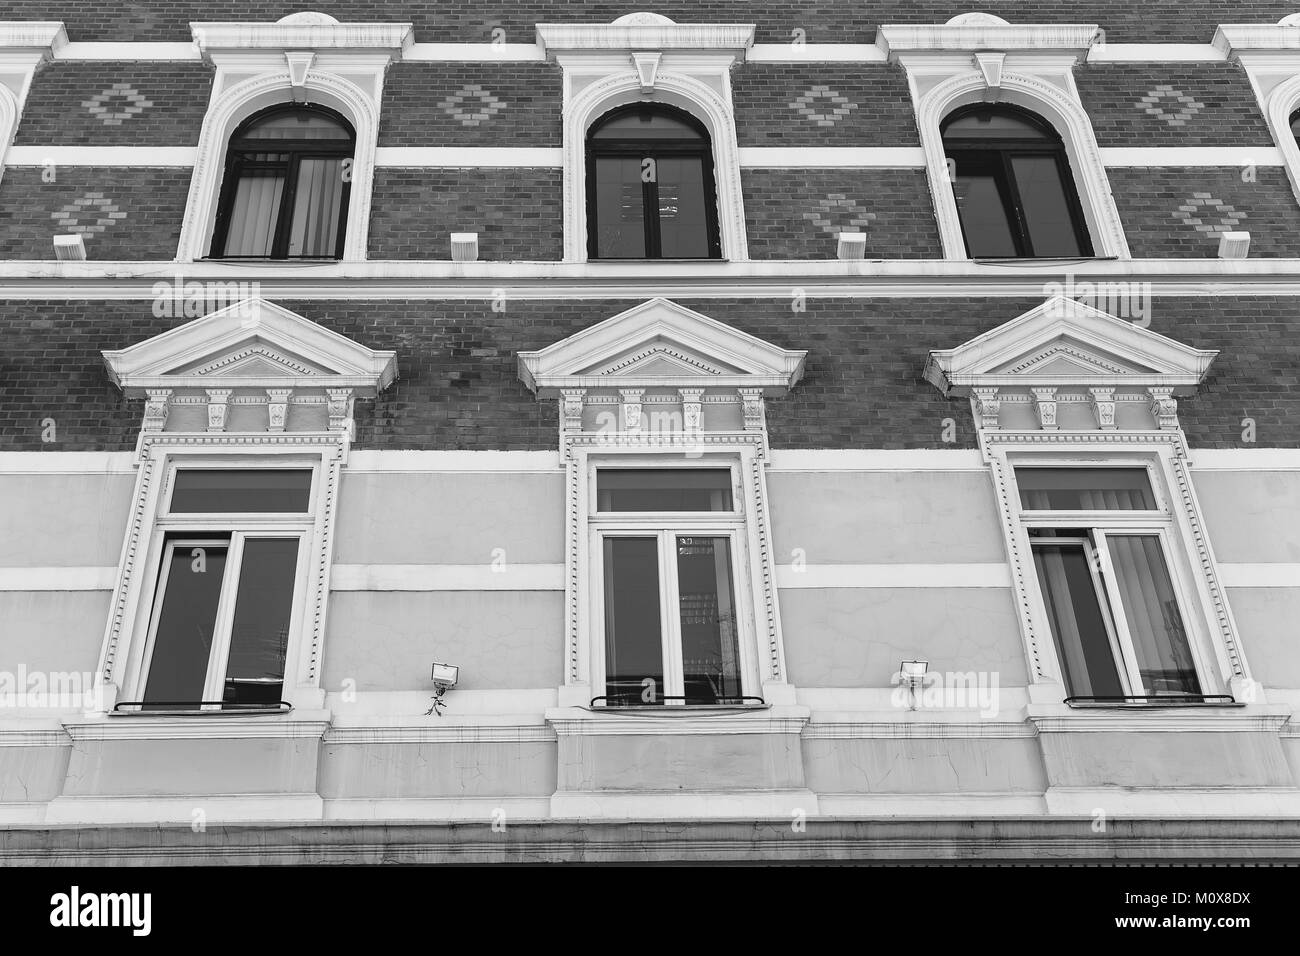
point(251, 344)
point(661, 343)
point(1064, 343)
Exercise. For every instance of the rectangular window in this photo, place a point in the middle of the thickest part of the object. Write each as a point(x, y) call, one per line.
point(1110, 599)
point(1085, 489)
point(222, 622)
point(664, 489)
point(670, 620)
point(222, 612)
point(254, 491)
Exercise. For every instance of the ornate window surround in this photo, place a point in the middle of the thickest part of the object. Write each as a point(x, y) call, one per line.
point(1270, 55)
point(1067, 384)
point(307, 57)
point(256, 354)
point(645, 57)
point(611, 382)
point(978, 57)
point(25, 46)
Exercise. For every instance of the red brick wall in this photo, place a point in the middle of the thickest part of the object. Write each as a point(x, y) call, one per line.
point(875, 103)
point(140, 210)
point(518, 213)
point(524, 99)
point(175, 94)
point(1149, 202)
point(458, 385)
point(796, 213)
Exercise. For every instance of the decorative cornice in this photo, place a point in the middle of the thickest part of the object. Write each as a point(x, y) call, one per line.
point(445, 732)
point(971, 35)
point(1235, 39)
point(895, 729)
point(48, 36)
point(647, 32)
point(310, 724)
point(1060, 719)
point(301, 33)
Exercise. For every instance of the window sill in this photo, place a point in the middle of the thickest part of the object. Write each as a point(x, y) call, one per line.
point(1170, 704)
point(157, 725)
point(675, 710)
point(678, 719)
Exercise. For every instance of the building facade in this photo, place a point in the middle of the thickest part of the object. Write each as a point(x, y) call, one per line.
point(522, 431)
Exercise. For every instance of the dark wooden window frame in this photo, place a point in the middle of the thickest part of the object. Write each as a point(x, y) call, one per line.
point(994, 156)
point(238, 162)
point(652, 149)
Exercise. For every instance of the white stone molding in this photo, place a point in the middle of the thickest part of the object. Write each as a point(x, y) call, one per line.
point(1123, 378)
point(340, 66)
point(613, 65)
point(25, 46)
point(657, 358)
point(250, 353)
point(1031, 66)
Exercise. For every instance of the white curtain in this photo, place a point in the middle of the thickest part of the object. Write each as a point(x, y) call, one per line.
point(316, 208)
point(253, 215)
point(1164, 657)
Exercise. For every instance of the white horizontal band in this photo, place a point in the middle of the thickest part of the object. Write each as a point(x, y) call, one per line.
point(57, 579)
point(447, 577)
point(1155, 53)
point(893, 576)
point(101, 156)
point(1278, 575)
point(1231, 156)
point(794, 52)
point(814, 157)
point(469, 156)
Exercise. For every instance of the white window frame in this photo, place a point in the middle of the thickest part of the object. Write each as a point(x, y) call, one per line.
point(128, 643)
point(1095, 526)
point(309, 58)
point(235, 528)
point(25, 46)
point(979, 58)
point(1211, 633)
point(666, 527)
point(644, 58)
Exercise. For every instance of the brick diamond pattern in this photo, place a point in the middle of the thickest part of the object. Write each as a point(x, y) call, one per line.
point(458, 107)
point(1180, 109)
point(839, 106)
point(837, 213)
point(118, 103)
point(1229, 218)
point(88, 215)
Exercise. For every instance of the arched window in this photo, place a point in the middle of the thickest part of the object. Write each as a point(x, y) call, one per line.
point(1015, 195)
point(650, 188)
point(286, 186)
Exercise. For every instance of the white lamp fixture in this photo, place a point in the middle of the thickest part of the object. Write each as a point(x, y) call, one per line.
point(852, 245)
point(464, 246)
point(444, 677)
point(912, 674)
point(70, 248)
point(1234, 245)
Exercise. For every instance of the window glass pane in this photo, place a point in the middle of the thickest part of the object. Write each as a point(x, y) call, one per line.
point(1083, 644)
point(646, 124)
point(260, 634)
point(664, 489)
point(983, 214)
point(317, 205)
point(305, 124)
point(683, 223)
point(993, 124)
point(178, 667)
point(1155, 625)
point(620, 208)
point(257, 490)
point(710, 652)
point(634, 669)
point(1085, 489)
point(254, 213)
point(1044, 206)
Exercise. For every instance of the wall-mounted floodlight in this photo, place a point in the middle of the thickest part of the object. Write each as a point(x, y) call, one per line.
point(912, 673)
point(444, 677)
